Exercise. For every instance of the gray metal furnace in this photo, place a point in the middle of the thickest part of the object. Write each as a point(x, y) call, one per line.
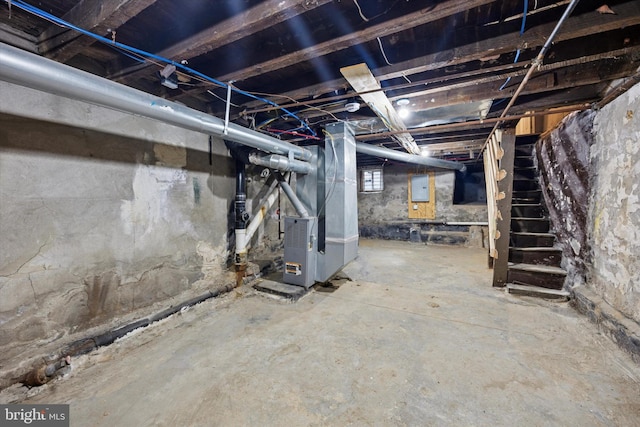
point(317, 247)
point(300, 238)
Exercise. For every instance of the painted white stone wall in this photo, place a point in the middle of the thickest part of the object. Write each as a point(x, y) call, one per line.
point(614, 214)
point(94, 227)
point(104, 218)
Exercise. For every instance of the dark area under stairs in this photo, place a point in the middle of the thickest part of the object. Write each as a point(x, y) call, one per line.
point(534, 260)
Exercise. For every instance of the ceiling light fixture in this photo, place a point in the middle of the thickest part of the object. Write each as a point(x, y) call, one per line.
point(352, 107)
point(403, 112)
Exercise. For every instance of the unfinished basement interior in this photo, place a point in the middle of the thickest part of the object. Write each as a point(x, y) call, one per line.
point(320, 212)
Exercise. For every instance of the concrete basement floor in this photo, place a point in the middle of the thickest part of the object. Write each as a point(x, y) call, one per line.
point(418, 338)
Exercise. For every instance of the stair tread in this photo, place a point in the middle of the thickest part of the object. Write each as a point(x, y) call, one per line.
point(536, 249)
point(536, 268)
point(532, 233)
point(520, 218)
point(538, 291)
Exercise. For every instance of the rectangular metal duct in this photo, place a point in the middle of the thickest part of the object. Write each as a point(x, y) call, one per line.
point(338, 211)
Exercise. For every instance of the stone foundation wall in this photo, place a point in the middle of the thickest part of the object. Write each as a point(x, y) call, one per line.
point(385, 214)
point(97, 228)
point(614, 205)
point(562, 158)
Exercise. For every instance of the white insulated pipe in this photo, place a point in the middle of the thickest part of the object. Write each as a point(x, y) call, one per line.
point(27, 69)
point(257, 219)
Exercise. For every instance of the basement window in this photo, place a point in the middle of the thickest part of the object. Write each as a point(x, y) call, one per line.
point(371, 180)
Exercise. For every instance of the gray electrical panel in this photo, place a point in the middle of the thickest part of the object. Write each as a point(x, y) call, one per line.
point(420, 188)
point(300, 251)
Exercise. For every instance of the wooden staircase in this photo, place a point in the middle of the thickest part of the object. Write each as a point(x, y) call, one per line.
point(534, 260)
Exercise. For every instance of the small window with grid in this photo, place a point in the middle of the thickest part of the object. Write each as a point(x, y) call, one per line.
point(371, 180)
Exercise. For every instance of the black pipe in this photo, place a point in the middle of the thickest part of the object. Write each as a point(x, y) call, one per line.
point(241, 155)
point(242, 216)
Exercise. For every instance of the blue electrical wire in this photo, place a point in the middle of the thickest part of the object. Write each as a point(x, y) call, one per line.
point(524, 16)
point(522, 28)
point(126, 48)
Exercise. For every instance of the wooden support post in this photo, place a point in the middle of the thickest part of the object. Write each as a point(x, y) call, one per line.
point(505, 186)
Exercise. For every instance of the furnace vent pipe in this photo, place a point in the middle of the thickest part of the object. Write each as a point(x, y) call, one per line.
point(297, 204)
point(275, 161)
point(26, 69)
point(374, 150)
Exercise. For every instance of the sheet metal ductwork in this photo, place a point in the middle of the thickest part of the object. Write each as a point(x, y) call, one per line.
point(26, 69)
point(386, 153)
point(319, 246)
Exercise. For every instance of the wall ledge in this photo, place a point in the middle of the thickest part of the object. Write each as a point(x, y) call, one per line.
point(622, 330)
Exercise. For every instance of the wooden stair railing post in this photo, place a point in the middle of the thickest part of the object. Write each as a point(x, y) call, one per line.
point(503, 225)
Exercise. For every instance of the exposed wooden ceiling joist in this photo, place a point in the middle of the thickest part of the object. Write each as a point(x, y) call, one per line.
point(447, 56)
point(18, 38)
point(249, 22)
point(574, 28)
point(421, 17)
point(62, 44)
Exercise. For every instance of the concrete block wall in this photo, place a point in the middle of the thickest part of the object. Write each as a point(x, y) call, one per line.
point(614, 205)
point(385, 214)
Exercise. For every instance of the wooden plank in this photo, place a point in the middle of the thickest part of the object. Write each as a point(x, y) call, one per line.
point(537, 291)
point(360, 78)
point(245, 24)
point(566, 78)
point(18, 38)
point(62, 44)
point(491, 205)
point(500, 265)
point(538, 268)
point(423, 16)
